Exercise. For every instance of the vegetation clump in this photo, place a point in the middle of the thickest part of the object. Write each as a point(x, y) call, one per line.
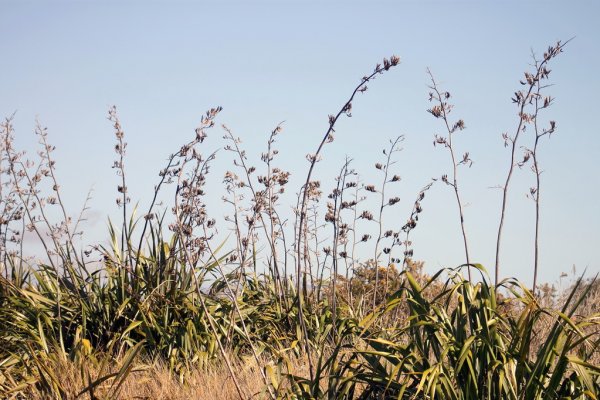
point(284, 308)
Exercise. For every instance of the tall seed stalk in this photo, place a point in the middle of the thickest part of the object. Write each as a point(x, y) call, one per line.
point(441, 110)
point(306, 189)
point(123, 199)
point(385, 168)
point(190, 213)
point(523, 99)
point(540, 102)
point(340, 230)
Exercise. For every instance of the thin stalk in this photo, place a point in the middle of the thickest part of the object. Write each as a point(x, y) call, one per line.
point(190, 261)
point(522, 98)
point(361, 87)
point(382, 206)
point(536, 192)
point(443, 110)
point(241, 317)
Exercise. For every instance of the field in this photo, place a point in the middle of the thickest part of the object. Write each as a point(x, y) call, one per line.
point(282, 308)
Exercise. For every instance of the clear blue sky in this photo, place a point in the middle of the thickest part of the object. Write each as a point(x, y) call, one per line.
point(164, 63)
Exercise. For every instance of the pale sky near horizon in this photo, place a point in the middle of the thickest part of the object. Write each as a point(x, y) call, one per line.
point(164, 63)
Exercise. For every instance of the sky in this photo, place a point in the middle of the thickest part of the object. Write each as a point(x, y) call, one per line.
point(163, 64)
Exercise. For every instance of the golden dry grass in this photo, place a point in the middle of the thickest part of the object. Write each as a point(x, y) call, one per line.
point(155, 381)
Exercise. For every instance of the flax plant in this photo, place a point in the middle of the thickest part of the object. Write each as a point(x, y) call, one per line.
point(99, 323)
point(309, 185)
point(190, 214)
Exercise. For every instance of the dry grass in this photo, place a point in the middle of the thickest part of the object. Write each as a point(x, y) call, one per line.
point(154, 380)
